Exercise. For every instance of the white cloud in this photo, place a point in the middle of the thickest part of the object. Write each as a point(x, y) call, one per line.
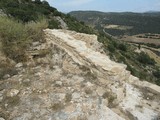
point(76, 2)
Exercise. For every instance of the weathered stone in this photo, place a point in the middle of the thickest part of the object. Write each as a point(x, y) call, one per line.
point(6, 76)
point(89, 84)
point(62, 23)
point(100, 91)
point(58, 83)
point(76, 82)
point(69, 109)
point(2, 118)
point(151, 87)
point(24, 116)
point(12, 92)
point(19, 65)
point(26, 80)
point(105, 102)
point(104, 81)
point(34, 44)
point(62, 96)
point(76, 95)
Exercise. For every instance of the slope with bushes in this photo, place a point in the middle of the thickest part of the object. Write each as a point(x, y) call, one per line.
point(28, 10)
point(18, 33)
point(63, 75)
point(22, 23)
point(138, 63)
point(17, 36)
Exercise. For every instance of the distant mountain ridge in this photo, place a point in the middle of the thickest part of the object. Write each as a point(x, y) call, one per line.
point(147, 22)
point(152, 11)
point(60, 74)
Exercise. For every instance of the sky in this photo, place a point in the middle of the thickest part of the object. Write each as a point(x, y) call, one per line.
point(106, 5)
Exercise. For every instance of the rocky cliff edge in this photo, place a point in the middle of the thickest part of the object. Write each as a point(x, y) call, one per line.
point(75, 81)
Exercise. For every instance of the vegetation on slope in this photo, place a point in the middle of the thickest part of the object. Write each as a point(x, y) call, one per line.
point(26, 20)
point(16, 36)
point(22, 23)
point(28, 10)
point(139, 64)
point(139, 22)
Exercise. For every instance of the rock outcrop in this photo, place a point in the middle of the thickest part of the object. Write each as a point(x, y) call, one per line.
point(75, 81)
point(63, 25)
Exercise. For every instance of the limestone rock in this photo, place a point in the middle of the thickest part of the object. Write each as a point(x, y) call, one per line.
point(58, 83)
point(12, 92)
point(6, 76)
point(76, 95)
point(19, 65)
point(76, 81)
point(2, 118)
point(105, 71)
point(69, 109)
point(63, 25)
point(100, 91)
point(34, 44)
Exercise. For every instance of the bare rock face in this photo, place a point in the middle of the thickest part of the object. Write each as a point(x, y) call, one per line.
point(76, 81)
point(2, 13)
point(63, 25)
point(12, 93)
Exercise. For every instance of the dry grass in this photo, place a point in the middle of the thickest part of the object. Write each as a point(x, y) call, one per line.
point(141, 40)
point(118, 27)
point(16, 37)
point(153, 55)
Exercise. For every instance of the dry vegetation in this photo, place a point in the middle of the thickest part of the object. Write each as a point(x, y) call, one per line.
point(136, 39)
point(16, 37)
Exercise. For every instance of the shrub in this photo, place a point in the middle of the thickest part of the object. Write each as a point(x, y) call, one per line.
point(122, 59)
point(133, 70)
point(111, 48)
point(158, 82)
point(35, 29)
point(53, 24)
point(122, 47)
point(145, 59)
point(16, 37)
point(156, 73)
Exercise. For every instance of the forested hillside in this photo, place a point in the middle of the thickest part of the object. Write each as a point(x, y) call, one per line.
point(29, 10)
point(130, 23)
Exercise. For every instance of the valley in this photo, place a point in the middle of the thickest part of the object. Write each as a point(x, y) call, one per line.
point(79, 66)
point(122, 23)
point(127, 26)
point(142, 40)
point(139, 30)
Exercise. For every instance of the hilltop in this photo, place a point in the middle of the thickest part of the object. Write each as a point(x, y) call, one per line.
point(71, 83)
point(54, 67)
point(142, 61)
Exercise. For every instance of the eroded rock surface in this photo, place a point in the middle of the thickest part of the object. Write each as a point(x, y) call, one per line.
point(75, 81)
